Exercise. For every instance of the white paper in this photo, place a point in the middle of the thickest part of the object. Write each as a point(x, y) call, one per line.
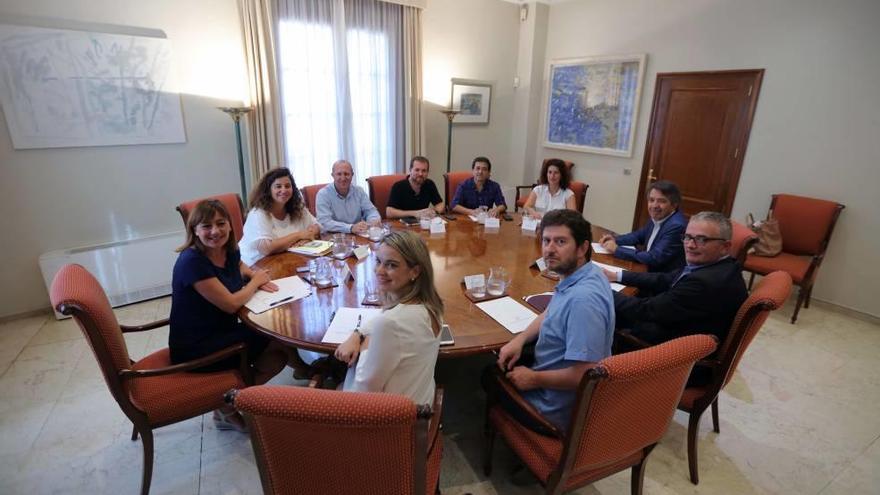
point(628, 247)
point(598, 248)
point(361, 252)
point(616, 287)
point(345, 321)
point(438, 228)
point(530, 224)
point(510, 314)
point(542, 265)
point(493, 223)
point(474, 218)
point(289, 289)
point(471, 281)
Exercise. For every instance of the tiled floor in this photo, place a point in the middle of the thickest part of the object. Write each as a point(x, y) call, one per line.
point(800, 416)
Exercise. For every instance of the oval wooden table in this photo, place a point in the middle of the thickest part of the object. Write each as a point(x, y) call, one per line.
point(467, 248)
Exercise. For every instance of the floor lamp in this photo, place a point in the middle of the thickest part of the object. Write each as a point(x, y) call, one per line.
point(450, 114)
point(236, 113)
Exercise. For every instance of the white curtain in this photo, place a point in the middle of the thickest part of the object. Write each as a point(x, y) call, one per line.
point(341, 70)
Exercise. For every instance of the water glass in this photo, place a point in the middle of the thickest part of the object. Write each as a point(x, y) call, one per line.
point(339, 271)
point(425, 221)
point(482, 213)
point(478, 291)
point(371, 291)
point(498, 281)
point(375, 233)
point(386, 229)
point(313, 269)
point(323, 272)
point(340, 246)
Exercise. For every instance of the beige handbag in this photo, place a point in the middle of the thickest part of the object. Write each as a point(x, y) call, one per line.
point(769, 238)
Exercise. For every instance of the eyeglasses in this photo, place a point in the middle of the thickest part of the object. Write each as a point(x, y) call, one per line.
point(699, 240)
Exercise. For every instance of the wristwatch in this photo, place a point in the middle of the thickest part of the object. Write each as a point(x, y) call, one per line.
point(362, 336)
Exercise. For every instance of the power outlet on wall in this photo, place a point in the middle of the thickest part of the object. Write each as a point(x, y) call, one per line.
point(627, 171)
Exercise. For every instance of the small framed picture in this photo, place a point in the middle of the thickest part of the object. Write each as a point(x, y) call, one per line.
point(472, 100)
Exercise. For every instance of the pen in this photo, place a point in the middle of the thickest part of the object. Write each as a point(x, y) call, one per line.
point(276, 303)
point(358, 326)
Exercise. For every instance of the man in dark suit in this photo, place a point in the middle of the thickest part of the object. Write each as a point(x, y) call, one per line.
point(661, 237)
point(702, 297)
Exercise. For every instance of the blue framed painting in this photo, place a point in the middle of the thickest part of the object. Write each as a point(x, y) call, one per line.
point(592, 104)
point(471, 99)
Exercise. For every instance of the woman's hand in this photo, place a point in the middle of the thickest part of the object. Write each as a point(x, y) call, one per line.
point(261, 278)
point(269, 287)
point(313, 231)
point(348, 351)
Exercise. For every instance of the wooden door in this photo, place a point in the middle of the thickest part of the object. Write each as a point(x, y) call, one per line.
point(700, 123)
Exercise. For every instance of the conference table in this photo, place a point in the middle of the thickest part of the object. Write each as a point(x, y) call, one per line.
point(466, 248)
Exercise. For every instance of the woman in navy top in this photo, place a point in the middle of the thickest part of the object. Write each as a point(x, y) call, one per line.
point(209, 285)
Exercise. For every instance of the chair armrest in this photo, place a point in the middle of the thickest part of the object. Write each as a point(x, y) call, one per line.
point(434, 425)
point(520, 188)
point(187, 366)
point(148, 326)
point(630, 340)
point(526, 406)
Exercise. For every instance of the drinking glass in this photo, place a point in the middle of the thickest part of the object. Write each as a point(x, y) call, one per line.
point(478, 290)
point(340, 246)
point(323, 271)
point(375, 233)
point(425, 220)
point(482, 213)
point(339, 271)
point(371, 291)
point(498, 281)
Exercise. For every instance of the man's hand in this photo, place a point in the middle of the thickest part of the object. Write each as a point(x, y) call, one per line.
point(360, 228)
point(509, 354)
point(611, 276)
point(609, 244)
point(523, 378)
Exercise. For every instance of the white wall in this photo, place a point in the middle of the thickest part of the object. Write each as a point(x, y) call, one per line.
point(816, 129)
point(470, 39)
point(68, 197)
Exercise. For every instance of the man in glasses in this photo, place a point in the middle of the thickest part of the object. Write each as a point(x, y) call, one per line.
point(658, 243)
point(702, 297)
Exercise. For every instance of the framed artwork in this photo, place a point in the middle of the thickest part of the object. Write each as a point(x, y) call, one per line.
point(592, 104)
point(472, 99)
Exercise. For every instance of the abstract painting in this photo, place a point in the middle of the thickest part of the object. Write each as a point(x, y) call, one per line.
point(592, 104)
point(62, 88)
point(471, 98)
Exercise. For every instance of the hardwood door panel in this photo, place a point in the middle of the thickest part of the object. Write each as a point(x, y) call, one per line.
point(699, 127)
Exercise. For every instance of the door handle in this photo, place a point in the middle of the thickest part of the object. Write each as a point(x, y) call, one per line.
point(651, 176)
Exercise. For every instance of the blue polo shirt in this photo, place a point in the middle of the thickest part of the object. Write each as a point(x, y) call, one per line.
point(467, 195)
point(578, 327)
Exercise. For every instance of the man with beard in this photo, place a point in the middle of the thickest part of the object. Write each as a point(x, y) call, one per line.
point(571, 335)
point(415, 195)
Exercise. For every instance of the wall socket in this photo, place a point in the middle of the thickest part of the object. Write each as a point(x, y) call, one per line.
point(627, 171)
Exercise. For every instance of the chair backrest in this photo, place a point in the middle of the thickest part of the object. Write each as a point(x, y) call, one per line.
point(76, 292)
point(380, 189)
point(310, 196)
point(580, 193)
point(452, 180)
point(741, 241)
point(350, 442)
point(805, 223)
point(231, 201)
point(626, 402)
point(768, 295)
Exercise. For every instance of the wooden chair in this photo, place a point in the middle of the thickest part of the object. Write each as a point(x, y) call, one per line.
point(451, 181)
point(623, 408)
point(349, 442)
point(521, 197)
point(310, 195)
point(806, 225)
point(380, 188)
point(580, 193)
point(742, 240)
point(151, 392)
point(231, 201)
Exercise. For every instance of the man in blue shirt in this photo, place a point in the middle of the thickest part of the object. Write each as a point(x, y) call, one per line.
point(571, 335)
point(479, 191)
point(661, 237)
point(343, 207)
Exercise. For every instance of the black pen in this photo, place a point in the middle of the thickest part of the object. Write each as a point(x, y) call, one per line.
point(276, 303)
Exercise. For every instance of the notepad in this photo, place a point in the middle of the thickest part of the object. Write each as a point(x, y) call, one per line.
point(510, 314)
point(345, 321)
point(616, 287)
point(599, 249)
point(313, 248)
point(289, 289)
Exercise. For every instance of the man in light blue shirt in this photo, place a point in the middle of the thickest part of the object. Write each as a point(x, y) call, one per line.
point(343, 207)
point(572, 334)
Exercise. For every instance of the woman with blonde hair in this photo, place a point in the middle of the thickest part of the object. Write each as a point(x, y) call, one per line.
point(396, 352)
point(278, 218)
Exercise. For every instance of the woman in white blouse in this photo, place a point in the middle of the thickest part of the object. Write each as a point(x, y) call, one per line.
point(396, 352)
point(552, 193)
point(277, 220)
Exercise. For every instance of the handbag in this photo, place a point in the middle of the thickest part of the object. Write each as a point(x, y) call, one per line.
point(769, 237)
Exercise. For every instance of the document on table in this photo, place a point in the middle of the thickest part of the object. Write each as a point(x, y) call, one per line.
point(598, 248)
point(345, 321)
point(611, 268)
point(510, 314)
point(289, 289)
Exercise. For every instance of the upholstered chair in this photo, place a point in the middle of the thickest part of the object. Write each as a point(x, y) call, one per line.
point(231, 201)
point(380, 188)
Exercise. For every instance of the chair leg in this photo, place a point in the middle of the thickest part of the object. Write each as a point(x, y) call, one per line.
point(716, 425)
point(751, 280)
point(487, 452)
point(809, 297)
point(134, 433)
point(638, 478)
point(802, 295)
point(693, 430)
point(147, 439)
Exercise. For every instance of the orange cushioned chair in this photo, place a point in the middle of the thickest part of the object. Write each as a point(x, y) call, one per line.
point(580, 194)
point(231, 201)
point(151, 392)
point(806, 225)
point(451, 182)
point(521, 197)
point(380, 189)
point(310, 196)
point(347, 442)
point(742, 240)
point(623, 408)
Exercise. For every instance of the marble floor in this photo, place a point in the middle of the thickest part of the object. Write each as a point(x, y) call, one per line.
point(800, 416)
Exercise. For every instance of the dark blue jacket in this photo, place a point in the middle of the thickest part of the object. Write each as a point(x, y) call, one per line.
point(666, 253)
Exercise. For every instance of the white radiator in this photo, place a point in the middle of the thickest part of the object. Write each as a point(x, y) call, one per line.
point(129, 271)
